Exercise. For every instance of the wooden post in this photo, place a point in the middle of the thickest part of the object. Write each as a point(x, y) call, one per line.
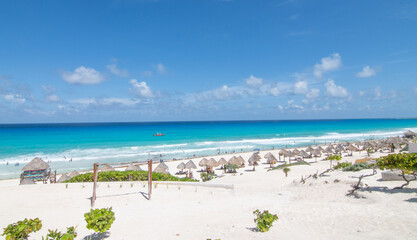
point(149, 179)
point(93, 198)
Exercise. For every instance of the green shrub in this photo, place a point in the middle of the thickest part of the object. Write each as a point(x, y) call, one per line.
point(334, 157)
point(401, 161)
point(100, 220)
point(286, 170)
point(264, 220)
point(357, 167)
point(342, 165)
point(206, 176)
point(22, 229)
point(289, 165)
point(115, 176)
point(56, 235)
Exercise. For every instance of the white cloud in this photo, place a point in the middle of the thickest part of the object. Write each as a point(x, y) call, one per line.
point(274, 91)
point(377, 93)
point(334, 90)
point(116, 71)
point(83, 75)
point(327, 64)
point(314, 93)
point(366, 72)
point(223, 93)
point(253, 81)
point(104, 101)
point(141, 89)
point(301, 87)
point(161, 68)
point(48, 88)
point(52, 98)
point(15, 98)
point(361, 93)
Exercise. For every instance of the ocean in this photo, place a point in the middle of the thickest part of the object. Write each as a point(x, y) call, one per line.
point(86, 143)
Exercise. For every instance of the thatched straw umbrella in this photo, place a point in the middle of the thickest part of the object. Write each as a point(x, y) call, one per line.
point(64, 177)
point(190, 165)
point(339, 148)
point(212, 163)
point(272, 160)
point(309, 149)
point(73, 174)
point(222, 161)
point(320, 148)
point(107, 168)
point(35, 165)
point(132, 167)
point(267, 155)
point(203, 162)
point(410, 134)
point(161, 168)
point(234, 161)
point(253, 160)
point(296, 152)
point(304, 154)
point(181, 166)
point(241, 160)
point(328, 150)
point(289, 154)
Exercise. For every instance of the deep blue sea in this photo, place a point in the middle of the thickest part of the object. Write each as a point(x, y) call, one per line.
point(86, 143)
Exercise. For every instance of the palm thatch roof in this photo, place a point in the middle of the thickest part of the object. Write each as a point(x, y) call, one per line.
point(282, 152)
point(289, 154)
point(303, 154)
point(267, 155)
point(320, 148)
point(161, 168)
point(107, 168)
point(212, 163)
point(190, 165)
point(410, 134)
point(309, 149)
point(222, 161)
point(181, 166)
point(234, 161)
point(73, 174)
point(132, 167)
point(242, 161)
point(271, 159)
point(316, 152)
point(203, 162)
point(352, 148)
point(35, 165)
point(328, 150)
point(254, 158)
point(64, 177)
point(296, 151)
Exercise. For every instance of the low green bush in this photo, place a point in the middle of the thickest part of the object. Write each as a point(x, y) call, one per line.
point(57, 235)
point(115, 176)
point(289, 165)
point(100, 220)
point(206, 176)
point(342, 165)
point(334, 157)
point(357, 167)
point(264, 220)
point(22, 229)
point(286, 170)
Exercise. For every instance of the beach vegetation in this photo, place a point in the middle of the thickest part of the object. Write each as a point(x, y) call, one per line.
point(358, 167)
point(206, 176)
point(231, 168)
point(71, 234)
point(289, 165)
point(264, 220)
point(115, 176)
point(22, 229)
point(99, 220)
point(405, 162)
point(342, 165)
point(286, 170)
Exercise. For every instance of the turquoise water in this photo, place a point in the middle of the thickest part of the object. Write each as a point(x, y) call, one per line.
point(120, 142)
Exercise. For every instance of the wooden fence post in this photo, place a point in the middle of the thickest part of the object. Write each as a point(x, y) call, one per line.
point(149, 179)
point(93, 198)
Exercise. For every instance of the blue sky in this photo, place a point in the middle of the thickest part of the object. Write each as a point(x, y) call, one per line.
point(166, 60)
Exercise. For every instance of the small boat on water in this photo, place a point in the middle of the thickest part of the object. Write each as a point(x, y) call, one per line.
point(159, 134)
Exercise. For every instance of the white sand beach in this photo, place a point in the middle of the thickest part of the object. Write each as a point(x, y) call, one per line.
point(318, 209)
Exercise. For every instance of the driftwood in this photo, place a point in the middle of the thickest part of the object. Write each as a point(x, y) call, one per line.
point(407, 181)
point(328, 170)
point(358, 185)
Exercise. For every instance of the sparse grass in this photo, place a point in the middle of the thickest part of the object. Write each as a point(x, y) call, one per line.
point(289, 165)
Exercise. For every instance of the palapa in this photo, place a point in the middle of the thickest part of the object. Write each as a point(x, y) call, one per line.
point(253, 159)
point(282, 152)
point(410, 134)
point(234, 161)
point(35, 165)
point(212, 163)
point(64, 177)
point(190, 165)
point(161, 168)
point(107, 168)
point(309, 149)
point(267, 155)
point(316, 152)
point(203, 162)
point(222, 161)
point(296, 151)
point(271, 159)
point(352, 148)
point(132, 167)
point(73, 174)
point(241, 160)
point(181, 166)
point(304, 154)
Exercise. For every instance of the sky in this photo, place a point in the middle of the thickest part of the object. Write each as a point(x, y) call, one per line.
point(178, 60)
